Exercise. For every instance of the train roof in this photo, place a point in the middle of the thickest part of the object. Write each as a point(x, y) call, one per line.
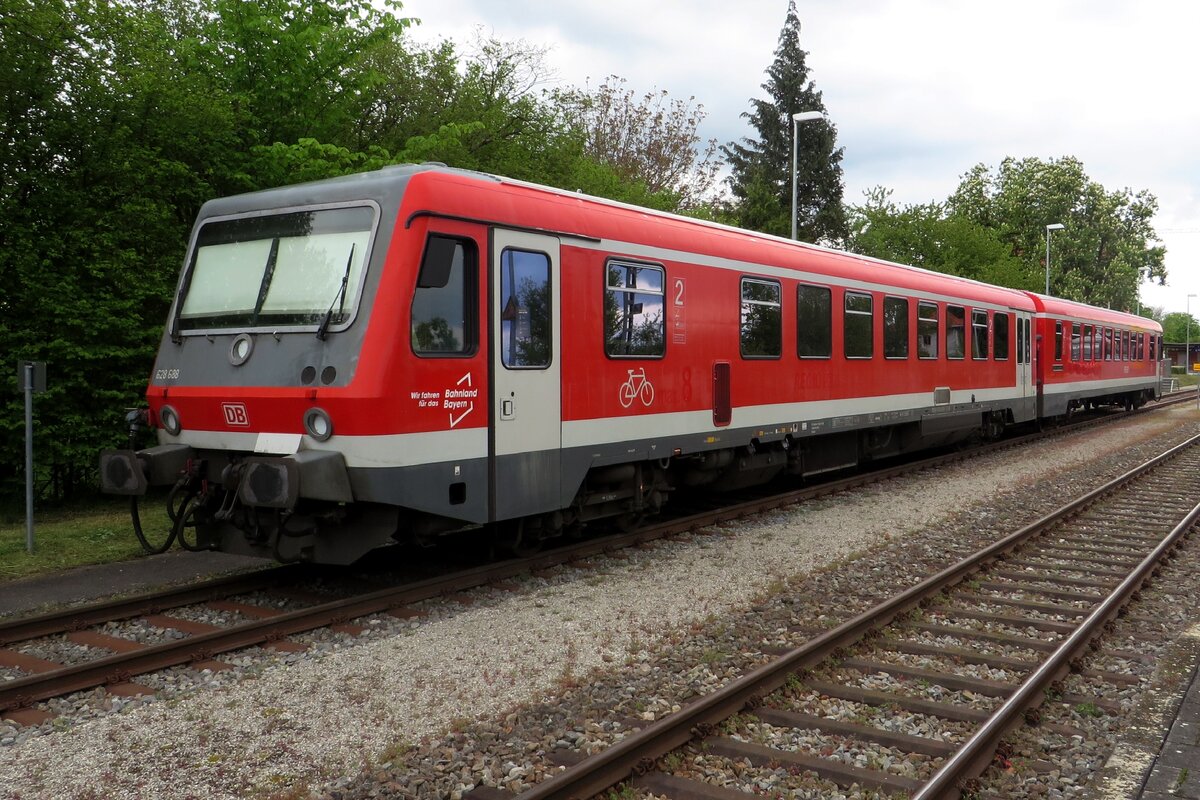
point(558, 211)
point(599, 219)
point(384, 185)
point(1057, 307)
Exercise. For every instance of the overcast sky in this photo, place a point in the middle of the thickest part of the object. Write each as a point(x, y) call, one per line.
point(920, 90)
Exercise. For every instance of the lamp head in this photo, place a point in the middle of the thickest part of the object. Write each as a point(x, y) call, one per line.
point(1055, 226)
point(805, 116)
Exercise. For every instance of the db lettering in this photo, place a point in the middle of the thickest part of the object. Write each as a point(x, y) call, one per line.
point(235, 414)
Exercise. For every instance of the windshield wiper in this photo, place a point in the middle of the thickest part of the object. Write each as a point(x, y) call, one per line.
point(339, 299)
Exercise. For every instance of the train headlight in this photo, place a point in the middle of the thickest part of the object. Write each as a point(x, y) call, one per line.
point(168, 417)
point(318, 424)
point(241, 349)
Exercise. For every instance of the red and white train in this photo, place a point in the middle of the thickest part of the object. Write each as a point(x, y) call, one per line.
point(420, 349)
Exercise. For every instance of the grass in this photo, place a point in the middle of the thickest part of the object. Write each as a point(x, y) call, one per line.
point(74, 537)
point(1186, 380)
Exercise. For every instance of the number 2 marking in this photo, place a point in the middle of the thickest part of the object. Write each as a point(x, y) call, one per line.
point(679, 291)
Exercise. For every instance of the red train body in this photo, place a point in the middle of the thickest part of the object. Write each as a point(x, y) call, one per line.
point(420, 349)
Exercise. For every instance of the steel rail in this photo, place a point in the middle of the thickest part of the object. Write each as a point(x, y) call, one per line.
point(121, 667)
point(79, 617)
point(25, 691)
point(977, 753)
point(636, 753)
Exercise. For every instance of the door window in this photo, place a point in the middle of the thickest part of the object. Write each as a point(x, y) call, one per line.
point(443, 304)
point(524, 309)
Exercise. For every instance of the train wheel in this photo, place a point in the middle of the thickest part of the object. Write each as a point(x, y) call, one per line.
point(516, 539)
point(151, 544)
point(629, 521)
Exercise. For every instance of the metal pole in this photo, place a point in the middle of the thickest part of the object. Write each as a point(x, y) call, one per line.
point(29, 457)
point(1047, 260)
point(1187, 341)
point(795, 147)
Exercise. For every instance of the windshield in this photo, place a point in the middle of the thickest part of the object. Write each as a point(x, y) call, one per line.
point(278, 270)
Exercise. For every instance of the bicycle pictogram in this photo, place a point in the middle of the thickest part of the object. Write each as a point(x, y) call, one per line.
point(637, 386)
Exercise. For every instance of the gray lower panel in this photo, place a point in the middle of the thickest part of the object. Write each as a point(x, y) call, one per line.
point(534, 483)
point(530, 483)
point(940, 423)
point(1057, 404)
point(458, 489)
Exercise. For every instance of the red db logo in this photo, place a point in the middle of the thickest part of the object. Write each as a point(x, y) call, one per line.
point(235, 414)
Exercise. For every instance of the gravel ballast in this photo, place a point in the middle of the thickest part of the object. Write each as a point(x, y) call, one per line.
point(438, 704)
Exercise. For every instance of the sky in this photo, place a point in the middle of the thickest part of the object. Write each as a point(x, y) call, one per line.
point(920, 91)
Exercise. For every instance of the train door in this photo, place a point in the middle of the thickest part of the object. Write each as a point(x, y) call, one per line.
point(1024, 355)
point(526, 434)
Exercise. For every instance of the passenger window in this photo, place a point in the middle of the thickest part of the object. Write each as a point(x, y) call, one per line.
point(1124, 345)
point(858, 326)
point(927, 330)
point(1076, 341)
point(979, 334)
point(1098, 353)
point(814, 322)
point(634, 323)
point(956, 332)
point(1087, 342)
point(895, 327)
point(1000, 336)
point(1108, 344)
point(525, 309)
point(1152, 339)
point(762, 318)
point(444, 302)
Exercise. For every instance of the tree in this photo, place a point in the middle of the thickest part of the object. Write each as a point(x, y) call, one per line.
point(1103, 253)
point(649, 140)
point(761, 181)
point(117, 120)
point(929, 236)
point(1176, 328)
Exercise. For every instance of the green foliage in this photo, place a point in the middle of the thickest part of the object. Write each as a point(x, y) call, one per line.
point(762, 167)
point(1105, 249)
point(993, 229)
point(310, 160)
point(1180, 327)
point(116, 122)
point(931, 237)
point(649, 140)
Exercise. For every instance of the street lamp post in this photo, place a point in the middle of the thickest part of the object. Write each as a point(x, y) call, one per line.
point(797, 118)
point(1187, 340)
point(1055, 226)
point(1142, 276)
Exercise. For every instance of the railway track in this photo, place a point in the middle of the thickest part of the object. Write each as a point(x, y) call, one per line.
point(119, 660)
point(1043, 593)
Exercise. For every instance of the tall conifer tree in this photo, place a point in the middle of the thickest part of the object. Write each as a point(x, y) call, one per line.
point(761, 181)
